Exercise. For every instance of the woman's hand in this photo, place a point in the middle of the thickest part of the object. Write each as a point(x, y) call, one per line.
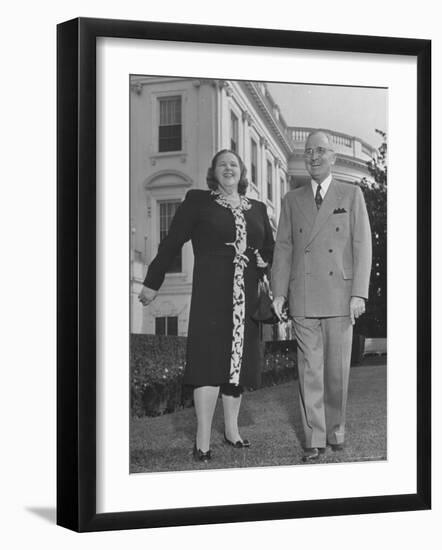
point(147, 295)
point(259, 261)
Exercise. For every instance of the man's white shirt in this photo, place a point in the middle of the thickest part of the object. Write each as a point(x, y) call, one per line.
point(324, 186)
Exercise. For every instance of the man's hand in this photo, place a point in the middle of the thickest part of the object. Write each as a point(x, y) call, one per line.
point(278, 305)
point(147, 295)
point(357, 308)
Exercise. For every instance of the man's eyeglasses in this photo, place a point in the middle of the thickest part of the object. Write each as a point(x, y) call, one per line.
point(320, 151)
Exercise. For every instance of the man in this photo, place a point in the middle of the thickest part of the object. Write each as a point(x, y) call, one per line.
point(321, 265)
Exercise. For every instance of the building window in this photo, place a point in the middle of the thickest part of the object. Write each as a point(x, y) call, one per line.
point(170, 127)
point(167, 212)
point(254, 161)
point(269, 181)
point(166, 326)
point(233, 132)
point(282, 184)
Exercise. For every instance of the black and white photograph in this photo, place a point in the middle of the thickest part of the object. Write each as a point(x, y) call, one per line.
point(219, 285)
point(232, 309)
point(258, 273)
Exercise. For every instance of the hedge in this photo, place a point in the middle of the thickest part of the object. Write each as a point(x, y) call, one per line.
point(157, 367)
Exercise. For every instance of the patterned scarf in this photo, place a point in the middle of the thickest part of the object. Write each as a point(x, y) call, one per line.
point(240, 262)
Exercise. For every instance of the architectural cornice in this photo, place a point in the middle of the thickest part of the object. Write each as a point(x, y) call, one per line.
point(268, 116)
point(352, 162)
point(167, 178)
point(136, 87)
point(341, 159)
point(137, 83)
point(221, 84)
point(247, 117)
point(337, 137)
point(264, 142)
point(200, 81)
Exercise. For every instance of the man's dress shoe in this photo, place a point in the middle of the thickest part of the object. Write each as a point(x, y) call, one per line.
point(312, 453)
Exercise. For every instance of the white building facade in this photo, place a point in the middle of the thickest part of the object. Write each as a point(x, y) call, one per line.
point(177, 125)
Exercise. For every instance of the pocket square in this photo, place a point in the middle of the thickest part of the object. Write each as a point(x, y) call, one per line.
point(339, 211)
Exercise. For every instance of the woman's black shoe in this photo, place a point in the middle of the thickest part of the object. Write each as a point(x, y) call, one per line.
point(200, 455)
point(238, 444)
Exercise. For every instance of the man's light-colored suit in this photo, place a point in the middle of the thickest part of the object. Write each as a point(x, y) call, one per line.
point(322, 258)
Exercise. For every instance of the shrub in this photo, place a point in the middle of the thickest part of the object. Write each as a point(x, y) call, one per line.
point(156, 358)
point(157, 367)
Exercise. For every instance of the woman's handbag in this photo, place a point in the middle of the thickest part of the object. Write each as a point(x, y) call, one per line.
point(264, 312)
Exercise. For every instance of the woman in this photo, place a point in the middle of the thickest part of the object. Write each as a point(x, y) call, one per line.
point(232, 239)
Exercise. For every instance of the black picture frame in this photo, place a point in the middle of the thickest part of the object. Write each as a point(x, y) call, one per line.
point(76, 273)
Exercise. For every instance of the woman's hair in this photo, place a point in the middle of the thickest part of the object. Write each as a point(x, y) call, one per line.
point(212, 182)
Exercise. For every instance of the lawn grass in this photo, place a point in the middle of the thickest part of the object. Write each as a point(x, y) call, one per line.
point(270, 419)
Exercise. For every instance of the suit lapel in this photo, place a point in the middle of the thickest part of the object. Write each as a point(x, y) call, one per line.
point(331, 201)
point(307, 205)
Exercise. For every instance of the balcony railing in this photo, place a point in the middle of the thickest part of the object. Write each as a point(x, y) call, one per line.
point(343, 143)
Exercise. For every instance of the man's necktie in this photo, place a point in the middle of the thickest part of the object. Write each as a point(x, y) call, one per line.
point(318, 197)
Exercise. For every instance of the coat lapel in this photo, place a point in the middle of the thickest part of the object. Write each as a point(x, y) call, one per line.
point(307, 204)
point(331, 201)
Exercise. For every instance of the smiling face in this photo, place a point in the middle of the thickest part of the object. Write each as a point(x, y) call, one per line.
point(228, 172)
point(319, 156)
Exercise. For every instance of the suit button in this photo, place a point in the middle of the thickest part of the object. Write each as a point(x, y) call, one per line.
point(337, 229)
point(330, 250)
point(307, 250)
point(331, 273)
point(300, 230)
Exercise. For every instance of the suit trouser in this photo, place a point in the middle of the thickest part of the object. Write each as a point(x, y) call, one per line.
point(324, 354)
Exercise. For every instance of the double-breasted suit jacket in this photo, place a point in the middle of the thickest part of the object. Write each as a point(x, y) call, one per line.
point(322, 258)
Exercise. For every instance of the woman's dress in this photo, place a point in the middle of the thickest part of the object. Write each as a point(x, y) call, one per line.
point(223, 343)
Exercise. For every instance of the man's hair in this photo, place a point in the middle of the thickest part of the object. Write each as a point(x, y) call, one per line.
point(324, 133)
